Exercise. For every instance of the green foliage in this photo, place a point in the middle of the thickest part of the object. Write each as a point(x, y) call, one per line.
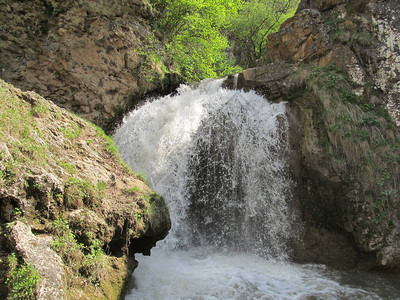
point(95, 262)
point(40, 108)
point(202, 35)
point(133, 189)
point(94, 249)
point(193, 35)
point(79, 192)
point(255, 20)
point(70, 168)
point(109, 143)
point(138, 216)
point(73, 131)
point(9, 173)
point(17, 122)
point(87, 260)
point(143, 178)
point(63, 238)
point(153, 59)
point(21, 279)
point(354, 34)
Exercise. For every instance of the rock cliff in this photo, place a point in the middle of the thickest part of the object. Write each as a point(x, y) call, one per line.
point(86, 56)
point(337, 63)
point(69, 207)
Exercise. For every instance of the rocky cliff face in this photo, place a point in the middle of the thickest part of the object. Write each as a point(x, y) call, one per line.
point(336, 62)
point(86, 56)
point(68, 205)
point(360, 37)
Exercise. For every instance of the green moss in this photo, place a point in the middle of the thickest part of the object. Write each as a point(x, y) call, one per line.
point(73, 131)
point(19, 130)
point(79, 192)
point(134, 189)
point(359, 144)
point(111, 148)
point(69, 168)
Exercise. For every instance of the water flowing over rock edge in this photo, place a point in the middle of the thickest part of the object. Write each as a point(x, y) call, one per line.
point(208, 267)
point(204, 149)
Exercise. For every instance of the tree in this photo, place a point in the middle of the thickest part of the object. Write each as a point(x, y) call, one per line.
point(255, 20)
point(206, 38)
point(193, 33)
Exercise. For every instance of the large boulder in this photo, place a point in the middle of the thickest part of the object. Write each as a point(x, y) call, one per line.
point(66, 189)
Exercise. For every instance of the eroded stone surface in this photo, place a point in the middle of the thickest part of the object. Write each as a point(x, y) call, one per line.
point(338, 171)
point(36, 251)
point(84, 56)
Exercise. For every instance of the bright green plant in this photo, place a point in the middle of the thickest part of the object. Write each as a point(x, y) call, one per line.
point(249, 28)
point(133, 189)
point(138, 216)
point(193, 35)
point(63, 239)
point(94, 249)
point(21, 279)
point(143, 178)
point(17, 121)
point(70, 168)
point(40, 108)
point(72, 132)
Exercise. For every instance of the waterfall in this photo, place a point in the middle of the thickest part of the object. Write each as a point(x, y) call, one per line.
point(217, 156)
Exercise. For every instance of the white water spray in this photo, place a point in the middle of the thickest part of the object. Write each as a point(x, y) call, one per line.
point(218, 158)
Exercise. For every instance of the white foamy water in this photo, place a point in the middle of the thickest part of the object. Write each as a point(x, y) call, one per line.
point(200, 274)
point(218, 159)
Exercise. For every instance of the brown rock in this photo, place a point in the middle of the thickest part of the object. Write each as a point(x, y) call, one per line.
point(37, 252)
point(82, 56)
point(301, 38)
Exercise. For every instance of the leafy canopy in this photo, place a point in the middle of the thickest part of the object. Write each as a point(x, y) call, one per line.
point(193, 32)
point(255, 20)
point(206, 38)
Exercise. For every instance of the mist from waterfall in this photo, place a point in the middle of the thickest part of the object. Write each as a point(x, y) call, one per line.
point(218, 156)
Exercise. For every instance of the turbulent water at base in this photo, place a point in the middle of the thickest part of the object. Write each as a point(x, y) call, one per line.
point(218, 158)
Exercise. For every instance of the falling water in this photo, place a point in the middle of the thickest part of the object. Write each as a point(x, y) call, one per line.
point(218, 158)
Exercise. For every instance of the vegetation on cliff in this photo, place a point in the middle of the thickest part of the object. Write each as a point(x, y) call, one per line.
point(353, 149)
point(335, 64)
point(70, 210)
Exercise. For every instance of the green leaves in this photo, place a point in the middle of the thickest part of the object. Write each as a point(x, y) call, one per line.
point(202, 35)
point(193, 32)
point(21, 279)
point(255, 20)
